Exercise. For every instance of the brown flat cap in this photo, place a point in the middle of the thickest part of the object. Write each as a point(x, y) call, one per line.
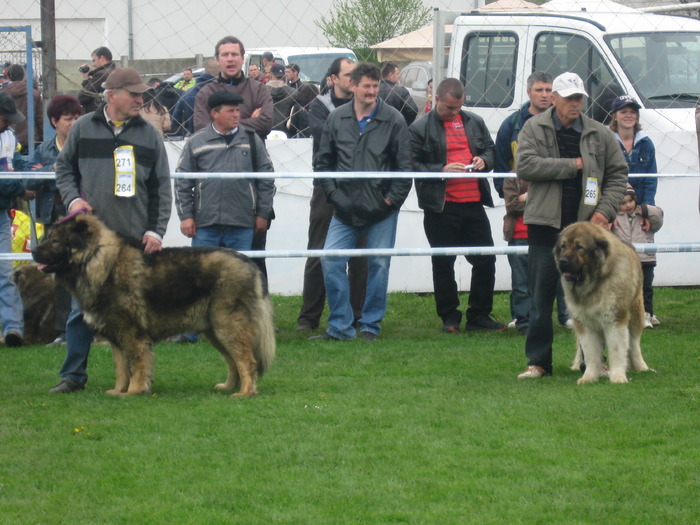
point(126, 78)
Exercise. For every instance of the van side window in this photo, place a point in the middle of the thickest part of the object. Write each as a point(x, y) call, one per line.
point(408, 76)
point(255, 59)
point(663, 67)
point(556, 53)
point(488, 69)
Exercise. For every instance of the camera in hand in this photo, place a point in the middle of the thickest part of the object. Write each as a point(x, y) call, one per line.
point(84, 69)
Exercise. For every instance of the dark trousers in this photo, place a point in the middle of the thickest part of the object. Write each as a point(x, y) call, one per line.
point(314, 292)
point(520, 295)
point(543, 281)
point(648, 289)
point(259, 244)
point(461, 224)
point(61, 301)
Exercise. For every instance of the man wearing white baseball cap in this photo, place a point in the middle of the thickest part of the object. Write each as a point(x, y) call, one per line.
point(576, 172)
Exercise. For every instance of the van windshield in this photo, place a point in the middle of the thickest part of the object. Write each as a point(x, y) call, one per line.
point(663, 67)
point(313, 67)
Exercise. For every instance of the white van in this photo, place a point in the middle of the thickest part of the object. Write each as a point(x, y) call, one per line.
point(313, 62)
point(655, 58)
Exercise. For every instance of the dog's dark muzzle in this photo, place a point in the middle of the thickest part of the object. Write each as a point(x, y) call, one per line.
point(568, 271)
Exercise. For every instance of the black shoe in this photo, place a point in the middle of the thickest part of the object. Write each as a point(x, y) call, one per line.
point(450, 329)
point(485, 322)
point(368, 336)
point(13, 339)
point(325, 336)
point(301, 327)
point(66, 386)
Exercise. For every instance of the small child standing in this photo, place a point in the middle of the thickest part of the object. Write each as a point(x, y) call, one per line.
point(638, 224)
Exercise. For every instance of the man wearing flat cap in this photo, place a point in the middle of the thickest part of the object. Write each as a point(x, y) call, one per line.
point(218, 211)
point(10, 160)
point(115, 166)
point(575, 172)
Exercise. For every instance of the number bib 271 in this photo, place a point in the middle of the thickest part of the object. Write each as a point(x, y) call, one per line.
point(124, 172)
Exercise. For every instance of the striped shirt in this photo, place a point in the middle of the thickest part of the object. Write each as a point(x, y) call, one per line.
point(458, 150)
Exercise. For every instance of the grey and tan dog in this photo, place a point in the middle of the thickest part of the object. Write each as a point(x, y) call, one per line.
point(134, 300)
point(602, 280)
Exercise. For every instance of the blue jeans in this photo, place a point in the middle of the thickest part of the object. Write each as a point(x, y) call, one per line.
point(78, 340)
point(341, 236)
point(236, 238)
point(233, 237)
point(11, 312)
point(520, 294)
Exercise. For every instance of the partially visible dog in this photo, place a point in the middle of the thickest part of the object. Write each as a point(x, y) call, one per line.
point(135, 300)
point(602, 281)
point(37, 292)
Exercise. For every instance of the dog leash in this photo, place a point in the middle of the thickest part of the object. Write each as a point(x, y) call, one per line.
point(72, 215)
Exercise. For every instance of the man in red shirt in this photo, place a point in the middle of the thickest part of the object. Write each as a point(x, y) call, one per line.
point(451, 140)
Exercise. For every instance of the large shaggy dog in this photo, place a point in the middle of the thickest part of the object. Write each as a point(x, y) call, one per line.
point(602, 280)
point(37, 292)
point(134, 300)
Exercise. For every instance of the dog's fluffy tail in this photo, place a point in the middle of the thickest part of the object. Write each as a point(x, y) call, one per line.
point(265, 344)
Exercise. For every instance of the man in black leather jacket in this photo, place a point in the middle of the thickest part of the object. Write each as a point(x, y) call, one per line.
point(451, 140)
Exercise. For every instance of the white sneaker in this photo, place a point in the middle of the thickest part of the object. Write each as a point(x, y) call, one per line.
point(647, 320)
point(511, 324)
point(655, 321)
point(533, 372)
point(569, 324)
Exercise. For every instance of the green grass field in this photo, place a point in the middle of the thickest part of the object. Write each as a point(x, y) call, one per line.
point(418, 427)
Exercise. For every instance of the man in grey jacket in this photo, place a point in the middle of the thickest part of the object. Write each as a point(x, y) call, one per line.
point(576, 172)
point(364, 135)
point(224, 212)
point(115, 166)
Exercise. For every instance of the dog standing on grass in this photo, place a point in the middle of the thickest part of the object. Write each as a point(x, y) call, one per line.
point(135, 299)
point(602, 280)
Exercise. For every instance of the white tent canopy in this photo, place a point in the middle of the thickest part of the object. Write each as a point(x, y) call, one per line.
point(416, 45)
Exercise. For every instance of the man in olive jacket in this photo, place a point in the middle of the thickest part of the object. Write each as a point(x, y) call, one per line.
point(364, 135)
point(576, 172)
point(450, 140)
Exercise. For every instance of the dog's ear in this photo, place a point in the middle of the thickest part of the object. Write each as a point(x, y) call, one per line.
point(79, 233)
point(80, 226)
point(602, 246)
point(557, 248)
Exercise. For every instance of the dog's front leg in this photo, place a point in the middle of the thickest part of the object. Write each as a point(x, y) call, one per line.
point(141, 360)
point(121, 368)
point(617, 339)
point(591, 345)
